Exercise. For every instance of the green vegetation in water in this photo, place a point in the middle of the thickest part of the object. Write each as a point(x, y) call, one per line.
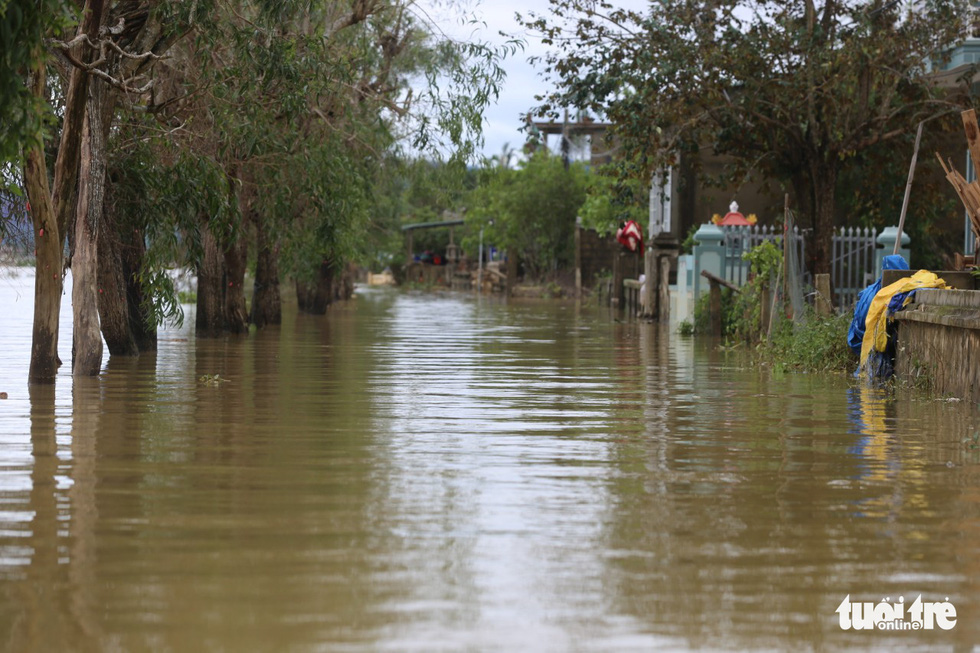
point(814, 344)
point(973, 442)
point(212, 380)
point(818, 344)
point(553, 290)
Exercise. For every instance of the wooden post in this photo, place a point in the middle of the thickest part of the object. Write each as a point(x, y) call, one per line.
point(715, 309)
point(578, 258)
point(765, 300)
point(786, 245)
point(823, 303)
point(649, 299)
point(663, 291)
point(715, 299)
point(908, 185)
point(617, 281)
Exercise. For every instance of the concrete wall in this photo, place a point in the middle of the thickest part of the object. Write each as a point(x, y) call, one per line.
point(938, 341)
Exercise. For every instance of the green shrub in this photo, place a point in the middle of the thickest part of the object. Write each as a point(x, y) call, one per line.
point(765, 262)
point(818, 344)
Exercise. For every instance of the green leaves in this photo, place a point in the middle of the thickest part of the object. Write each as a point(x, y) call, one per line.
point(531, 211)
point(24, 24)
point(783, 92)
point(613, 198)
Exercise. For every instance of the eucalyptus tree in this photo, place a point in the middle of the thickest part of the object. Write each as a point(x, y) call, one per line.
point(53, 206)
point(301, 105)
point(401, 81)
point(791, 89)
point(112, 44)
point(224, 117)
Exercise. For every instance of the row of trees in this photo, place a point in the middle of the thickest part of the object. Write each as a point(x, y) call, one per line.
point(163, 133)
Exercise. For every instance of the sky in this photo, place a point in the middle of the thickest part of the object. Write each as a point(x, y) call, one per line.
point(505, 118)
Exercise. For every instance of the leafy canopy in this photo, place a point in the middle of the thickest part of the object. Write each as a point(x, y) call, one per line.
point(790, 89)
point(531, 211)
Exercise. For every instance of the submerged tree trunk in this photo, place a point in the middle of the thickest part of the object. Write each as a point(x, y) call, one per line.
point(235, 310)
point(127, 326)
point(113, 287)
point(86, 336)
point(266, 299)
point(47, 279)
point(221, 306)
point(314, 297)
point(210, 298)
point(53, 209)
point(343, 285)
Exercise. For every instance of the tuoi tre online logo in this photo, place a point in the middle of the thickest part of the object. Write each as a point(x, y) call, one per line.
point(920, 615)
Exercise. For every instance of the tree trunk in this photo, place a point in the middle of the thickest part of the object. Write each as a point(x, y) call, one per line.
point(47, 275)
point(210, 298)
point(303, 293)
point(314, 297)
point(221, 287)
point(53, 210)
point(235, 311)
point(824, 202)
point(342, 285)
point(113, 287)
point(141, 321)
point(127, 327)
point(86, 336)
point(513, 268)
point(266, 299)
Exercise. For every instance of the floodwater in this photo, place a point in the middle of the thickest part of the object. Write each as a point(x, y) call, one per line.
point(441, 473)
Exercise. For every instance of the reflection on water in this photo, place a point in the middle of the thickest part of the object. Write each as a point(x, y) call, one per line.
point(417, 472)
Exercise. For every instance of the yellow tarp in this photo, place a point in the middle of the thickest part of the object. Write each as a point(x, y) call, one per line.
point(875, 335)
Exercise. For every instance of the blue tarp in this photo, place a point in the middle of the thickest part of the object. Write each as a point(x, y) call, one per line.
point(855, 335)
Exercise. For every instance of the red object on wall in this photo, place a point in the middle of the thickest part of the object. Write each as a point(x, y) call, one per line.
point(631, 237)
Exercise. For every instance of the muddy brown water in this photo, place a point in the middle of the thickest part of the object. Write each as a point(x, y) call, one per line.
point(436, 472)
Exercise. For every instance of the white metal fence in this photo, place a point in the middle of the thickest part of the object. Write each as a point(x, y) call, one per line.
point(852, 262)
point(739, 240)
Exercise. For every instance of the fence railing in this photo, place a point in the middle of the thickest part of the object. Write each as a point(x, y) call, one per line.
point(855, 256)
point(739, 240)
point(852, 264)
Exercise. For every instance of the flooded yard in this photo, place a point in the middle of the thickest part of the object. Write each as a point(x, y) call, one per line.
point(422, 472)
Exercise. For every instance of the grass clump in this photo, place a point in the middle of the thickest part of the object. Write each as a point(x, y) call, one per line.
point(818, 344)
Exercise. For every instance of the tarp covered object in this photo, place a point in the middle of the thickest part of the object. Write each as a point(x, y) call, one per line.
point(855, 335)
point(876, 334)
